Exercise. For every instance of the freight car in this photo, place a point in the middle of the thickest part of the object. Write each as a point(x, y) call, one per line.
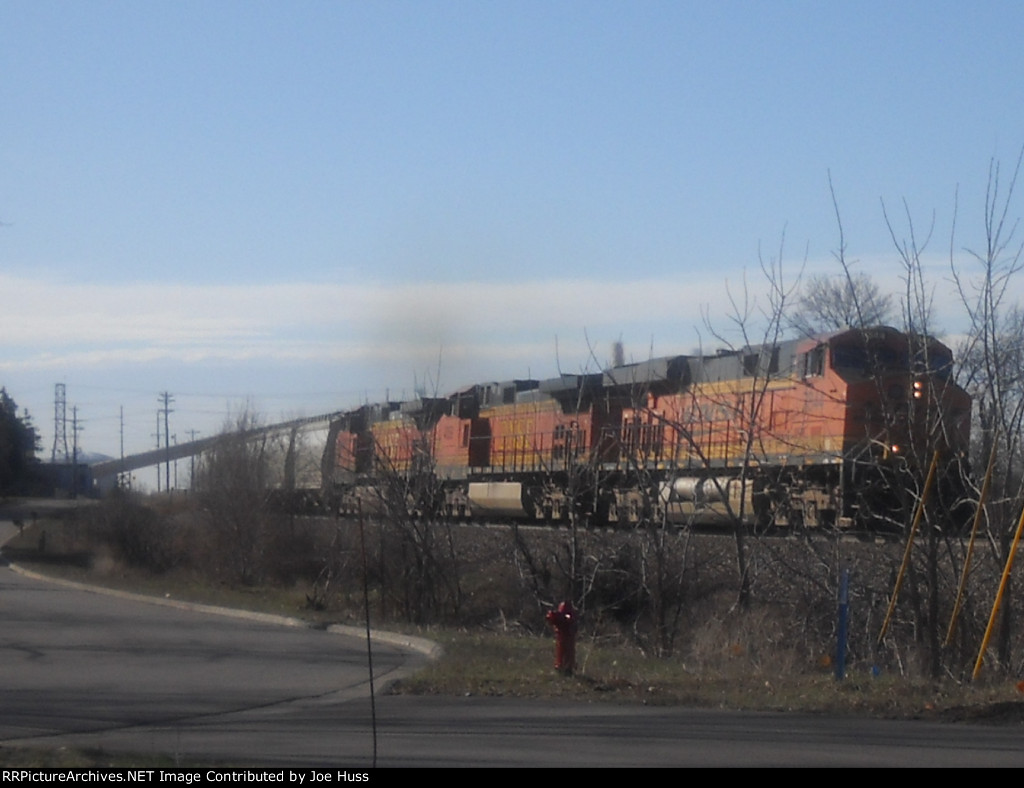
point(828, 431)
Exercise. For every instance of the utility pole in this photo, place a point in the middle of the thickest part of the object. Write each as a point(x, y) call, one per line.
point(75, 429)
point(192, 471)
point(167, 399)
point(124, 479)
point(158, 449)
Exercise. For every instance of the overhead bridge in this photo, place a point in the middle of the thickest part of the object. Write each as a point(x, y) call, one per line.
point(194, 448)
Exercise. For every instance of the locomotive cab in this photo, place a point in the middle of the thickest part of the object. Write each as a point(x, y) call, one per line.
point(901, 399)
point(901, 408)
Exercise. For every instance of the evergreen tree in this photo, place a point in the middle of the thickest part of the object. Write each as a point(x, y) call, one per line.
point(18, 445)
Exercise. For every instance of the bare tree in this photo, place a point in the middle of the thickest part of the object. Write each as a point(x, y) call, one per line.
point(848, 299)
point(760, 325)
point(692, 444)
point(992, 363)
point(232, 481)
point(830, 303)
point(990, 370)
point(418, 568)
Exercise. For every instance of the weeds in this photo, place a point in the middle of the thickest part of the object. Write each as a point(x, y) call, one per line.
point(776, 654)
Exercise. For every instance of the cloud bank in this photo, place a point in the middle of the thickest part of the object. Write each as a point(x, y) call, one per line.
point(46, 324)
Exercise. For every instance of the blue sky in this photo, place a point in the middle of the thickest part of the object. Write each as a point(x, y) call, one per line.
point(303, 205)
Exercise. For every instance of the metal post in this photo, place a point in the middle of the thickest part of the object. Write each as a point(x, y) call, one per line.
point(843, 625)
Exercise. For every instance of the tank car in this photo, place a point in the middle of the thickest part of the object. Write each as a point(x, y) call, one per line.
point(832, 430)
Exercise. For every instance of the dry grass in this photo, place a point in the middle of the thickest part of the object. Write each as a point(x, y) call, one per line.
point(770, 657)
point(499, 665)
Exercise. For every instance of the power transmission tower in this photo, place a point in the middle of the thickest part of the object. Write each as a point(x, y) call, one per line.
point(60, 423)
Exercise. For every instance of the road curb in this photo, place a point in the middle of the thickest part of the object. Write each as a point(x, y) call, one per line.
point(426, 647)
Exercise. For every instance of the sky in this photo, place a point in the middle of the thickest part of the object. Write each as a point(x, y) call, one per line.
point(295, 207)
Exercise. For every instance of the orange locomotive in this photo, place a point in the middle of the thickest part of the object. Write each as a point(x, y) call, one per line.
point(833, 430)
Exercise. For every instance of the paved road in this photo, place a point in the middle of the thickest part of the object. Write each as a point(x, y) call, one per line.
point(89, 670)
point(101, 668)
point(73, 662)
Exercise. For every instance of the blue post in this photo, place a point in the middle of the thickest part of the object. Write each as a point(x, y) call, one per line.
point(843, 624)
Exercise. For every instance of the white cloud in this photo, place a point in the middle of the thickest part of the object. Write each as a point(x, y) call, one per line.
point(322, 346)
point(50, 324)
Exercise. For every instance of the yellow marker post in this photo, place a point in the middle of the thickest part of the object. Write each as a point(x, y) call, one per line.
point(999, 598)
point(910, 544)
point(958, 604)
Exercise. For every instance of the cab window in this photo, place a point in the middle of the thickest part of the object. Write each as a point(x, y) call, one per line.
point(814, 362)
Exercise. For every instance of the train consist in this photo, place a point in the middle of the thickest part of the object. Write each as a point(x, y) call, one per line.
point(829, 431)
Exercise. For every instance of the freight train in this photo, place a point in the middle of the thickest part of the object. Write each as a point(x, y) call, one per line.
point(828, 431)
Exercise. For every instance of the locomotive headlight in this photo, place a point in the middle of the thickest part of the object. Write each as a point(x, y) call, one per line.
point(918, 389)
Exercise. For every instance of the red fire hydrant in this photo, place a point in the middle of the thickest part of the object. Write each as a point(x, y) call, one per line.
point(563, 621)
